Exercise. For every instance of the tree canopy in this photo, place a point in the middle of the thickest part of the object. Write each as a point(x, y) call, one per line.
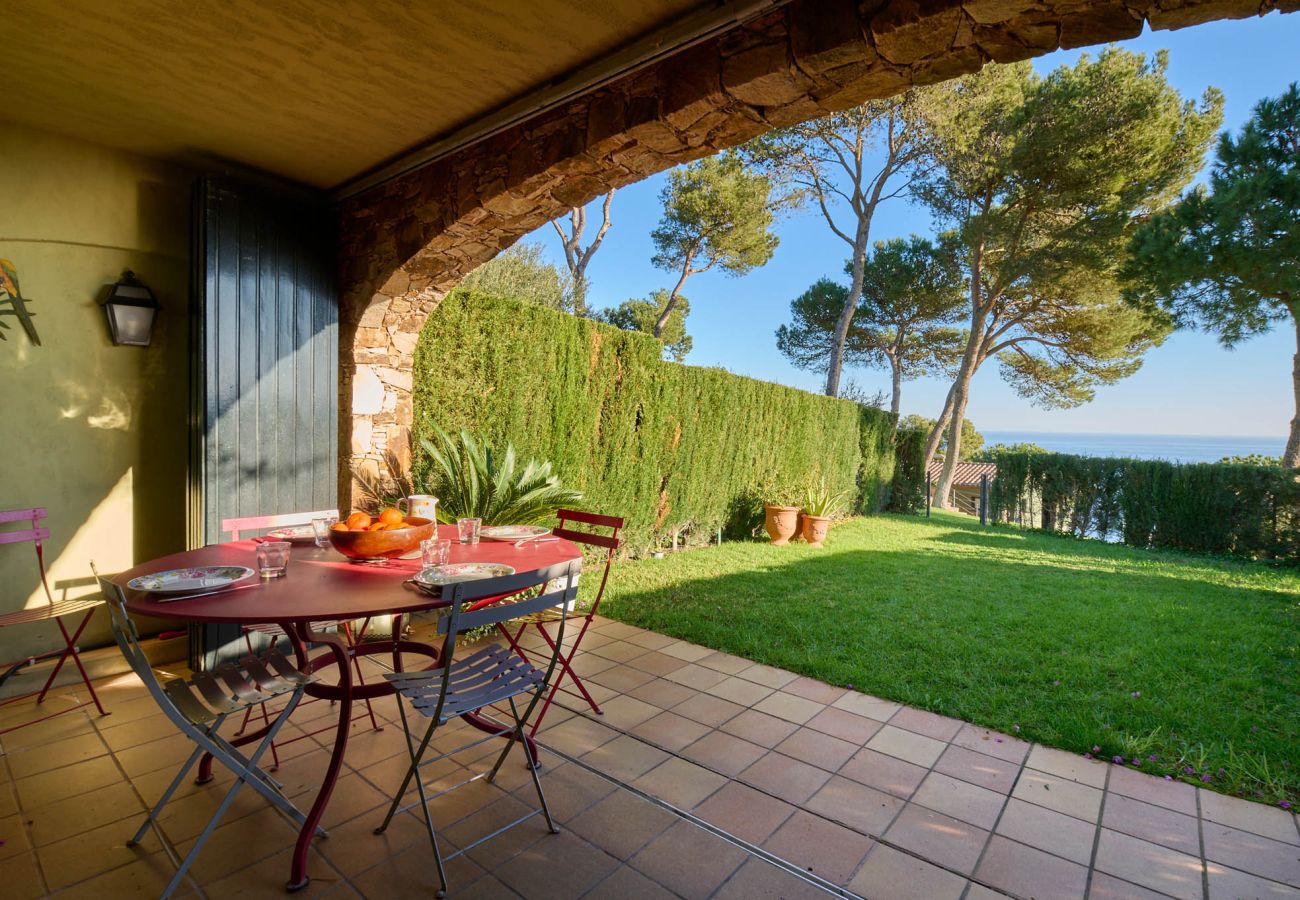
point(971, 440)
point(1042, 180)
point(641, 315)
point(717, 214)
point(1226, 257)
point(520, 273)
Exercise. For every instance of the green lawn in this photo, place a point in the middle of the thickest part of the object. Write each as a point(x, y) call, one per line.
point(1177, 660)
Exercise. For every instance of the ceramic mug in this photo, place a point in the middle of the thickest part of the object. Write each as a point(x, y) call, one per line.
point(423, 506)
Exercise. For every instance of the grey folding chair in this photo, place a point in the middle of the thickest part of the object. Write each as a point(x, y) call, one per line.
point(485, 678)
point(198, 708)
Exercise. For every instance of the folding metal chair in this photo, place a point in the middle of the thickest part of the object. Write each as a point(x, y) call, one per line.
point(540, 620)
point(198, 708)
point(486, 677)
point(273, 633)
point(56, 610)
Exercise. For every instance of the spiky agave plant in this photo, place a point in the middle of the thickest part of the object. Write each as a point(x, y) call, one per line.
point(472, 481)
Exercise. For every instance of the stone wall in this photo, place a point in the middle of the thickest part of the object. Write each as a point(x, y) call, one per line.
point(407, 242)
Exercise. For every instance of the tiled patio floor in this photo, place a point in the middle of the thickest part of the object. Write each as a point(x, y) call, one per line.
point(707, 776)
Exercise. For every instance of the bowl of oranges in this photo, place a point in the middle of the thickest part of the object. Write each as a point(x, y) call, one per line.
point(384, 536)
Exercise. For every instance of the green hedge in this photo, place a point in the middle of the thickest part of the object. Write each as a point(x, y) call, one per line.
point(669, 447)
point(1242, 510)
point(908, 488)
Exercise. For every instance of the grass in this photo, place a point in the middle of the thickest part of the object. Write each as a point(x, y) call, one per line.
point(1178, 661)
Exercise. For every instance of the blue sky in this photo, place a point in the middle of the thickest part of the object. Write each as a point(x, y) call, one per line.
point(1188, 386)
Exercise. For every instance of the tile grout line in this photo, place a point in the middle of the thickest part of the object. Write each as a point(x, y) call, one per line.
point(1006, 801)
point(1096, 834)
point(1200, 837)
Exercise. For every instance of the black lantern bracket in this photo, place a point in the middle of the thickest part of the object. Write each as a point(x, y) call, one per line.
point(131, 309)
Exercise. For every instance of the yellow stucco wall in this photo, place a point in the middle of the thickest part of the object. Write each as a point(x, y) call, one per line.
point(94, 432)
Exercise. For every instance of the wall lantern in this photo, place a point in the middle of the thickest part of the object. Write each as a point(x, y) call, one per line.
point(131, 308)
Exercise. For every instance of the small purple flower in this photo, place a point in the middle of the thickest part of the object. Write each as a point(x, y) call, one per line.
point(1096, 749)
point(1136, 761)
point(1207, 778)
point(1254, 728)
point(1153, 757)
point(1285, 804)
point(999, 740)
point(1222, 772)
point(1169, 778)
point(1136, 694)
point(1087, 756)
point(1117, 759)
point(1057, 682)
point(1188, 770)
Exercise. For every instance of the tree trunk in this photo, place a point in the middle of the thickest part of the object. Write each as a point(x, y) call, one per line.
point(936, 433)
point(672, 298)
point(836, 363)
point(1291, 456)
point(896, 393)
point(970, 362)
point(961, 393)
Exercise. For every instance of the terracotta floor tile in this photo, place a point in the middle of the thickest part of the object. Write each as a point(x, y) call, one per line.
point(267, 877)
point(1149, 865)
point(618, 651)
point(759, 728)
point(1091, 772)
point(621, 824)
point(768, 676)
point(760, 880)
point(978, 768)
point(941, 728)
point(74, 815)
point(867, 706)
point(353, 846)
point(625, 758)
point(738, 690)
point(941, 839)
point(786, 778)
point(1173, 795)
point(411, 874)
point(577, 736)
point(589, 664)
point(1230, 884)
point(959, 799)
point(495, 852)
point(820, 750)
point(651, 640)
point(1268, 821)
point(656, 663)
point(724, 753)
point(726, 663)
point(823, 848)
point(569, 790)
point(56, 754)
point(711, 711)
point(671, 731)
point(844, 725)
point(626, 883)
point(907, 746)
point(682, 783)
point(622, 678)
point(693, 675)
point(624, 712)
point(817, 691)
point(58, 784)
point(662, 693)
point(1060, 794)
point(886, 773)
point(688, 860)
point(1048, 830)
point(1252, 853)
point(167, 753)
point(860, 807)
point(8, 800)
point(90, 853)
point(143, 878)
point(740, 810)
point(790, 707)
point(889, 873)
point(119, 736)
point(1152, 823)
point(991, 743)
point(687, 651)
point(1028, 872)
point(1108, 887)
point(558, 867)
point(22, 877)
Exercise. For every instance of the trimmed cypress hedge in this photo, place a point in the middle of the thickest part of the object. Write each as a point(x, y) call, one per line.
point(1241, 510)
point(669, 447)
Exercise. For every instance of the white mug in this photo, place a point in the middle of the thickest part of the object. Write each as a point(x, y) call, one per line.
point(422, 506)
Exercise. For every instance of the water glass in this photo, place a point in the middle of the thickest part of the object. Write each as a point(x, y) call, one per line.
point(272, 558)
point(468, 530)
point(435, 552)
point(321, 528)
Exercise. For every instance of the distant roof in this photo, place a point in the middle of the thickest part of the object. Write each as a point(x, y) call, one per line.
point(966, 473)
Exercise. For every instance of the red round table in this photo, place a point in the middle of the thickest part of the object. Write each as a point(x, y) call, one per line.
point(322, 585)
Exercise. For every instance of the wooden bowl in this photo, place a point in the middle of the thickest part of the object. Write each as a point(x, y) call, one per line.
point(387, 544)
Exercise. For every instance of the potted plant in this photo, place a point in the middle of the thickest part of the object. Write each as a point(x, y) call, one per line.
point(819, 507)
point(781, 522)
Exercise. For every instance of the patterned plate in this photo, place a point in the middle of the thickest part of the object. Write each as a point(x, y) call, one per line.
point(434, 577)
point(296, 534)
point(514, 532)
point(180, 580)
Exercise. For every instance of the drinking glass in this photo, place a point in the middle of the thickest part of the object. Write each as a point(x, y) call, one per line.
point(435, 552)
point(321, 528)
point(272, 558)
point(468, 530)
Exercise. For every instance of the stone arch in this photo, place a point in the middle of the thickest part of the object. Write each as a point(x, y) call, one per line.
point(407, 242)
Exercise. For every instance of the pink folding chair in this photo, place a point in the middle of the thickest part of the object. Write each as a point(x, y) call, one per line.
point(56, 610)
point(540, 620)
point(233, 527)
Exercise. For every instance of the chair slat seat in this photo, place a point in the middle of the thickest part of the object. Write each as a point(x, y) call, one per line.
point(270, 629)
point(49, 611)
point(481, 679)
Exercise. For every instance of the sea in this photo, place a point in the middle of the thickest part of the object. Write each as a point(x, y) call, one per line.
point(1172, 447)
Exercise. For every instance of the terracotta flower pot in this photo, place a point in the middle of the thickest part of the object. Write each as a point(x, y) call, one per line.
point(781, 523)
point(814, 529)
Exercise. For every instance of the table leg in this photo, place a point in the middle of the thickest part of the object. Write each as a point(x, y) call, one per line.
point(298, 877)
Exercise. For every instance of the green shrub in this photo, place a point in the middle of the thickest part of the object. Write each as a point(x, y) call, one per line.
point(669, 447)
point(907, 486)
point(1244, 510)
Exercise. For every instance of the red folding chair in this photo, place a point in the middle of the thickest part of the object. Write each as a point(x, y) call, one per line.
point(540, 620)
point(55, 610)
point(233, 527)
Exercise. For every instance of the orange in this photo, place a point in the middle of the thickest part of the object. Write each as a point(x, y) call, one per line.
point(392, 518)
point(359, 520)
point(378, 526)
point(339, 526)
